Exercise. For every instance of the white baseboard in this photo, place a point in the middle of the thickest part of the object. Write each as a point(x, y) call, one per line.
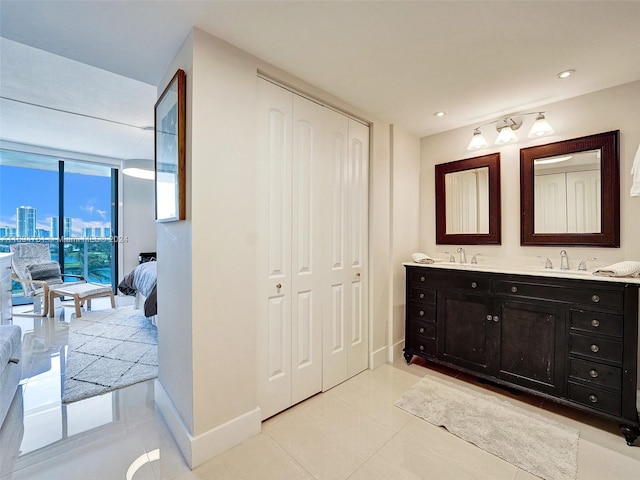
point(377, 358)
point(395, 351)
point(201, 448)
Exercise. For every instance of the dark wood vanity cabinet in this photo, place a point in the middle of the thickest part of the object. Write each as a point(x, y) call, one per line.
point(572, 340)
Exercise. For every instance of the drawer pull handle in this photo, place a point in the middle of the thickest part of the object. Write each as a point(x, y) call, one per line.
point(593, 398)
point(422, 295)
point(422, 313)
point(422, 331)
point(514, 289)
point(595, 348)
point(595, 298)
point(496, 318)
point(593, 373)
point(489, 317)
point(421, 347)
point(595, 323)
point(422, 279)
point(474, 285)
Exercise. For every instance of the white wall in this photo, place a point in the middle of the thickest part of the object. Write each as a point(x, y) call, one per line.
point(405, 168)
point(611, 109)
point(206, 278)
point(138, 222)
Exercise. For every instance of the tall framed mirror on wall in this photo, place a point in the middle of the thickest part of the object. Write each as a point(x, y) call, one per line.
point(468, 201)
point(570, 192)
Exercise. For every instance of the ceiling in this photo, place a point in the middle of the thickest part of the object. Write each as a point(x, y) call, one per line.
point(399, 61)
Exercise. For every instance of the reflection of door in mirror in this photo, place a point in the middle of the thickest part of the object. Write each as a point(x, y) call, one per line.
point(467, 201)
point(567, 196)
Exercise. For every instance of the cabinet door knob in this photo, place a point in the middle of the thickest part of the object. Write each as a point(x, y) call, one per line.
point(593, 373)
point(595, 348)
point(474, 285)
point(422, 279)
point(422, 313)
point(421, 347)
point(489, 317)
point(279, 286)
point(496, 318)
point(595, 298)
point(421, 329)
point(514, 289)
point(422, 295)
point(595, 323)
point(593, 398)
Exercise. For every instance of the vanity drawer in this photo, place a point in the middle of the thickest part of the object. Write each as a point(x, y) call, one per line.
point(584, 296)
point(422, 312)
point(421, 330)
point(596, 373)
point(596, 348)
point(421, 295)
point(419, 276)
point(422, 346)
point(595, 398)
point(595, 322)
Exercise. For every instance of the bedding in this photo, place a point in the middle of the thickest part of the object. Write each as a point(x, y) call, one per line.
point(143, 280)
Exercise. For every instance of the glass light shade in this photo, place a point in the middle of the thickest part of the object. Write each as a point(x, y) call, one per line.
point(477, 141)
point(506, 135)
point(139, 168)
point(540, 127)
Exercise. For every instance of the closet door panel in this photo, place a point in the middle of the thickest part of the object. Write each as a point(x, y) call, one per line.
point(307, 278)
point(274, 157)
point(337, 326)
point(358, 241)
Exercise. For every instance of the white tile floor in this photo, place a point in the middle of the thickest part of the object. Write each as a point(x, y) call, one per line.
point(351, 432)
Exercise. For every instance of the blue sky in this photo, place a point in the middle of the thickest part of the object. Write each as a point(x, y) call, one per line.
point(87, 197)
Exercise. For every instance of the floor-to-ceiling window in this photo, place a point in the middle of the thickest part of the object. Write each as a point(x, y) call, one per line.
point(68, 204)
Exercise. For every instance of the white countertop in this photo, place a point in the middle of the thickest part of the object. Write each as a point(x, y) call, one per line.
point(536, 270)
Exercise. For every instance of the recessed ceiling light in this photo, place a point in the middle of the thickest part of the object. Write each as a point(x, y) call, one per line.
point(439, 114)
point(566, 73)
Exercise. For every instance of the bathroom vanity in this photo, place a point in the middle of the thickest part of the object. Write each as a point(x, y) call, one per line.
point(571, 337)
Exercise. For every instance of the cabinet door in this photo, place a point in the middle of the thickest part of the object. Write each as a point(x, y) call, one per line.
point(532, 345)
point(466, 331)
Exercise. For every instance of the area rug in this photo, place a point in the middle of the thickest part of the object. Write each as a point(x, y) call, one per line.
point(107, 350)
point(529, 441)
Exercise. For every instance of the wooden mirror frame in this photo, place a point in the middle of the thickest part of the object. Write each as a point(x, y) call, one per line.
point(492, 161)
point(609, 145)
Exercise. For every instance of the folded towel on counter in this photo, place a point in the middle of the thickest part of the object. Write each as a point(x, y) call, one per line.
point(635, 173)
point(620, 269)
point(422, 258)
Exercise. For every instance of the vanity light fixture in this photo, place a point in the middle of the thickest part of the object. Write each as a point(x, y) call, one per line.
point(477, 141)
point(540, 127)
point(507, 127)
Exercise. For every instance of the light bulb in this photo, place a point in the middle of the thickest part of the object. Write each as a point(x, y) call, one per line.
point(506, 135)
point(540, 127)
point(477, 141)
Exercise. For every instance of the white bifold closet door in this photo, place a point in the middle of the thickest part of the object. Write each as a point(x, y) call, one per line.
point(304, 236)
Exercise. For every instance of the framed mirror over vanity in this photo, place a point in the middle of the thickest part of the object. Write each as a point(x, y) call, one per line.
point(570, 192)
point(468, 201)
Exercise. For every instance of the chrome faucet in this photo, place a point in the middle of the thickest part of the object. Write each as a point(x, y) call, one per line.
point(463, 255)
point(452, 259)
point(583, 263)
point(474, 260)
point(547, 263)
point(564, 260)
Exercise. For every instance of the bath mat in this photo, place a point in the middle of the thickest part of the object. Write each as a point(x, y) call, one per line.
point(525, 439)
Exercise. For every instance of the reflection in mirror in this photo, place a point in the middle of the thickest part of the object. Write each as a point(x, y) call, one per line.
point(467, 201)
point(567, 193)
point(570, 192)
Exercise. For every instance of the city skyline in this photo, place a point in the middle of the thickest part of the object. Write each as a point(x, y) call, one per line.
point(87, 201)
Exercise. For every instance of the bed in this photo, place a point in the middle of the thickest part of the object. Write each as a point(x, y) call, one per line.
point(142, 282)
